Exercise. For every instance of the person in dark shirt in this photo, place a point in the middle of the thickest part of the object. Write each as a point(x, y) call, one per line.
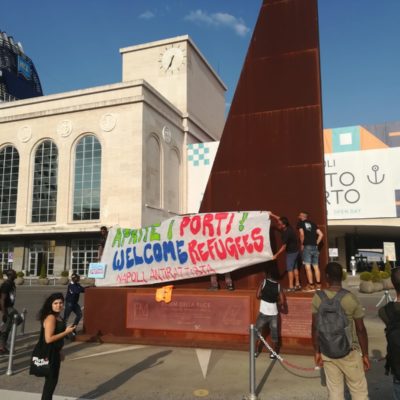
point(102, 243)
point(72, 300)
point(7, 300)
point(54, 330)
point(272, 300)
point(310, 238)
point(391, 319)
point(291, 246)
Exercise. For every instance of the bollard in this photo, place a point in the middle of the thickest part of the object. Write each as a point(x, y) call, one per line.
point(252, 360)
point(23, 316)
point(12, 345)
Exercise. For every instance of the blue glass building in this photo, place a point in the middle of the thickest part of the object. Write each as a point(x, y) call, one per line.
point(18, 76)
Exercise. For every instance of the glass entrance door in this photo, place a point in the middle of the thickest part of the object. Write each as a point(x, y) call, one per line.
point(41, 253)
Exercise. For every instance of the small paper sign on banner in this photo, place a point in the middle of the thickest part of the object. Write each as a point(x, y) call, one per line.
point(97, 270)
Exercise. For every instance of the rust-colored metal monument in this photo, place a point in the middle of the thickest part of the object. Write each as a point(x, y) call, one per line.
point(270, 158)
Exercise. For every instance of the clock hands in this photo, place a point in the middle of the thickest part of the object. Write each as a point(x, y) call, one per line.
point(170, 63)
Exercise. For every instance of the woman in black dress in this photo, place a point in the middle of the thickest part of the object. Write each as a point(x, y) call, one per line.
point(55, 331)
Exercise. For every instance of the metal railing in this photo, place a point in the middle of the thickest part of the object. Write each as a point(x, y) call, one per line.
point(16, 321)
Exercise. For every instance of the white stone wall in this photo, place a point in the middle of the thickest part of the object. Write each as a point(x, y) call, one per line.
point(150, 103)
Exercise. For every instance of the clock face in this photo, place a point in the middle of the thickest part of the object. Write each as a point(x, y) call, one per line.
point(172, 59)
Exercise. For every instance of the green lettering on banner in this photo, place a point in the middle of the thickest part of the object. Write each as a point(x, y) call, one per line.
point(134, 237)
point(154, 235)
point(117, 238)
point(171, 224)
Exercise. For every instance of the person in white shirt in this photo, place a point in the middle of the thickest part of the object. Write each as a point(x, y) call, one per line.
point(272, 300)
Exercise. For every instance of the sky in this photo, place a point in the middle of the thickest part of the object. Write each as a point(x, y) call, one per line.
point(75, 44)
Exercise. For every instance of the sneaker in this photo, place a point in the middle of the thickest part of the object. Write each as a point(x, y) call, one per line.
point(297, 288)
point(289, 290)
point(256, 354)
point(230, 287)
point(273, 356)
point(318, 286)
point(309, 288)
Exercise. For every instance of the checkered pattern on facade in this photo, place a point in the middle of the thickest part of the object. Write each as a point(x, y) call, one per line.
point(198, 153)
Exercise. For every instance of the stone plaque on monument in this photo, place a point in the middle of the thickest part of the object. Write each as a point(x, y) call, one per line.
point(219, 314)
point(297, 322)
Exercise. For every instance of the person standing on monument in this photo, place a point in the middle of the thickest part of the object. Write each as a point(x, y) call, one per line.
point(214, 282)
point(290, 245)
point(310, 238)
point(102, 243)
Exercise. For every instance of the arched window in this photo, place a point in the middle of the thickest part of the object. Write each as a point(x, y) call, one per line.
point(153, 172)
point(44, 200)
point(9, 167)
point(172, 200)
point(87, 179)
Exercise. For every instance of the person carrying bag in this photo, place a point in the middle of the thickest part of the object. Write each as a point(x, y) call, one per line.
point(42, 357)
point(47, 355)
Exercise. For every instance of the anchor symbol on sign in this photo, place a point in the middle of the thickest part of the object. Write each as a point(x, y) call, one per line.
point(376, 180)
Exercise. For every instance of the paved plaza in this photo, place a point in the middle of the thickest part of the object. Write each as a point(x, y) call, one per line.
point(112, 371)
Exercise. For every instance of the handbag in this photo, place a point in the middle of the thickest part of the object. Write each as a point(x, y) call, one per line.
point(42, 357)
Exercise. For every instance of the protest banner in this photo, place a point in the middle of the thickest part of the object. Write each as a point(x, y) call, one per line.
point(185, 247)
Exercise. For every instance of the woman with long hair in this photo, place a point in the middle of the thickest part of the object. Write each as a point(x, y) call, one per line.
point(54, 332)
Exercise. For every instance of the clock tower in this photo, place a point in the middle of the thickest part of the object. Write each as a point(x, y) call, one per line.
point(178, 71)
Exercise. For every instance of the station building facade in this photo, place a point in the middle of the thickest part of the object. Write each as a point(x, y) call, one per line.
point(110, 155)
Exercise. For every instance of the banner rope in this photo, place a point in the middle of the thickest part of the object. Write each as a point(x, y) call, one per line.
point(281, 359)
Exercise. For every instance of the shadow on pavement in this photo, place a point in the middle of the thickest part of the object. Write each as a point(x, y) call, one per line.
point(265, 377)
point(124, 376)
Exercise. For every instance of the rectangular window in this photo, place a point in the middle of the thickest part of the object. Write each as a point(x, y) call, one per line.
point(83, 252)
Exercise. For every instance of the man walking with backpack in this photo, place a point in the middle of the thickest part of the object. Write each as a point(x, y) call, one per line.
point(339, 337)
point(390, 315)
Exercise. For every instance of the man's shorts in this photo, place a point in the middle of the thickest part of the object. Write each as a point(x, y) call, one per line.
point(272, 322)
point(291, 261)
point(310, 255)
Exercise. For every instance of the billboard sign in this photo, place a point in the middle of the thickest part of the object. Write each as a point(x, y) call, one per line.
point(362, 184)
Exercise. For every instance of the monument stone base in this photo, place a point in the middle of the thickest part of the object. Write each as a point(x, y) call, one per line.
point(194, 318)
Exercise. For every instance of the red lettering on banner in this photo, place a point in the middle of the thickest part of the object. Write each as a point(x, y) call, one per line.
point(211, 247)
point(239, 246)
point(207, 224)
point(231, 248)
point(203, 254)
point(154, 275)
point(129, 277)
point(258, 239)
point(195, 224)
point(229, 226)
point(249, 246)
point(220, 217)
point(194, 256)
point(184, 223)
point(221, 252)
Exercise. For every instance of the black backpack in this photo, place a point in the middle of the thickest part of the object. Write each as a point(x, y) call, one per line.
point(393, 340)
point(333, 326)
